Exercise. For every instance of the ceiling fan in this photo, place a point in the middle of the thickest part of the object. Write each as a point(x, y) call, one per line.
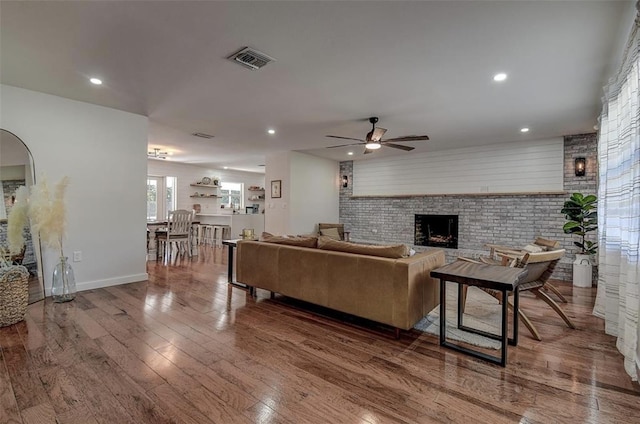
point(374, 141)
point(157, 154)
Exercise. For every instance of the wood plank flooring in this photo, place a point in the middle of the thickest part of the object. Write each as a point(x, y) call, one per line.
point(185, 348)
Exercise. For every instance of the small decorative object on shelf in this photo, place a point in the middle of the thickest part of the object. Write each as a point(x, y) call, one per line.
point(63, 288)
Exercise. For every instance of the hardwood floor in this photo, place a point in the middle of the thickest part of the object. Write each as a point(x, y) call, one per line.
point(186, 348)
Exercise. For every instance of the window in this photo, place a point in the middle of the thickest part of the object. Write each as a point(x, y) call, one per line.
point(231, 195)
point(158, 206)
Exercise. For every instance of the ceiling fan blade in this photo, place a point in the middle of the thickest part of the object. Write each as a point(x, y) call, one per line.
point(409, 138)
point(344, 138)
point(377, 134)
point(398, 146)
point(343, 145)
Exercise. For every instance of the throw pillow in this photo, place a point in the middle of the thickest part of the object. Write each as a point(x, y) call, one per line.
point(310, 241)
point(331, 232)
point(534, 248)
point(395, 251)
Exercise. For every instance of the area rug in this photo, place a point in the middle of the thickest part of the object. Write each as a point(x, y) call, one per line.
point(482, 312)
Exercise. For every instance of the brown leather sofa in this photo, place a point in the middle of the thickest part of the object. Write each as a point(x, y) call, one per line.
point(396, 292)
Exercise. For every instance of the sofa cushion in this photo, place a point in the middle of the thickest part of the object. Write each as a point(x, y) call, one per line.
point(331, 232)
point(395, 251)
point(308, 241)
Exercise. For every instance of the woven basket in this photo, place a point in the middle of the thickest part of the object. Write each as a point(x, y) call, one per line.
point(14, 294)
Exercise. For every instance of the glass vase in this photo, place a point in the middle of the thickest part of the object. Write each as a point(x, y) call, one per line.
point(64, 282)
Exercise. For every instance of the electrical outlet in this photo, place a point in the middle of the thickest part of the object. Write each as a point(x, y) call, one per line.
point(77, 256)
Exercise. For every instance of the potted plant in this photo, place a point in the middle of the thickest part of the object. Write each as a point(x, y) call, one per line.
point(582, 218)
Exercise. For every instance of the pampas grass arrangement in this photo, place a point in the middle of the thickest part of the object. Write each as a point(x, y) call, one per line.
point(48, 213)
point(17, 220)
point(48, 218)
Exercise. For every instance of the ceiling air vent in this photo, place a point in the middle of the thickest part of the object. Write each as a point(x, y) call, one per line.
point(250, 58)
point(202, 135)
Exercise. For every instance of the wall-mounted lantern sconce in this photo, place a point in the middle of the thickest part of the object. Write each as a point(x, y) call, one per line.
point(581, 167)
point(345, 181)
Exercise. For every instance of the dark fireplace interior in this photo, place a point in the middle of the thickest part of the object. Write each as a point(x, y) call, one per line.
point(437, 231)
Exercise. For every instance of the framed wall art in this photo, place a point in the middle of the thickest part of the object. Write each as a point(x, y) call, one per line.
point(276, 189)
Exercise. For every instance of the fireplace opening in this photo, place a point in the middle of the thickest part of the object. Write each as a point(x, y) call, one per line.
point(437, 231)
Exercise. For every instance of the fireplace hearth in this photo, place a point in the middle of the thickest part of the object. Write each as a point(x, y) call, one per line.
point(436, 231)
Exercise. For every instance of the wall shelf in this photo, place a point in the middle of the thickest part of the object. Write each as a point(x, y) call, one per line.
point(209, 196)
point(205, 185)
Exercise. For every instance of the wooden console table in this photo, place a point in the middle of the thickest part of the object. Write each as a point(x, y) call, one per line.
point(494, 277)
point(231, 245)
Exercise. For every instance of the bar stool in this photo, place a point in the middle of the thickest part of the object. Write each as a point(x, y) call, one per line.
point(223, 231)
point(205, 232)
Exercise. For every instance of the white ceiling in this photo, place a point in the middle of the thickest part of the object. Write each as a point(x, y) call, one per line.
point(422, 67)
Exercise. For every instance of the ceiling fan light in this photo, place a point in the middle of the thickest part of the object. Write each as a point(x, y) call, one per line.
point(373, 146)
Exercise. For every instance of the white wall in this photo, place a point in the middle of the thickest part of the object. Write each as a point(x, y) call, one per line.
point(277, 167)
point(191, 174)
point(315, 192)
point(103, 151)
point(310, 193)
point(527, 167)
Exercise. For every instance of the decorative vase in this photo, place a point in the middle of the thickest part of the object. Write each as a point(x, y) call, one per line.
point(582, 271)
point(64, 282)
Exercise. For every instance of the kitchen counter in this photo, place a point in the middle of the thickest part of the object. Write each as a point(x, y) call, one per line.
point(238, 222)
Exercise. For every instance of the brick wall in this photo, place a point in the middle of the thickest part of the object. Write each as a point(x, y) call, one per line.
point(513, 220)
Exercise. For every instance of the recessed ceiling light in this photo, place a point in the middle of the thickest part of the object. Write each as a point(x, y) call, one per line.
point(96, 81)
point(350, 153)
point(271, 131)
point(524, 130)
point(500, 77)
point(225, 167)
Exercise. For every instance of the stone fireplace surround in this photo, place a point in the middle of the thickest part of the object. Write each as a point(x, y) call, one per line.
point(483, 218)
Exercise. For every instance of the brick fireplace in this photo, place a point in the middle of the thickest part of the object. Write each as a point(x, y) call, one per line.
point(483, 218)
point(436, 231)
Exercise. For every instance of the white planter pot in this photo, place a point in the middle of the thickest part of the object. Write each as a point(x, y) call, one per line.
point(583, 271)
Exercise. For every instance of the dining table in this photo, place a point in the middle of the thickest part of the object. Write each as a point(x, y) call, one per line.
point(152, 226)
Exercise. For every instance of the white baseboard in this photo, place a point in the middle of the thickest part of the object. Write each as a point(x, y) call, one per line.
point(98, 284)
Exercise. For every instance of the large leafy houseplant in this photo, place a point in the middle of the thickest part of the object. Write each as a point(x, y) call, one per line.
point(582, 218)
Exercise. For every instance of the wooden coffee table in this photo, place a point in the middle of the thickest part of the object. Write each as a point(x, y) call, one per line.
point(502, 278)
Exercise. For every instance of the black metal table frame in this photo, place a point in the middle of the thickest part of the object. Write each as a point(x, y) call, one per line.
point(231, 245)
point(503, 337)
point(500, 278)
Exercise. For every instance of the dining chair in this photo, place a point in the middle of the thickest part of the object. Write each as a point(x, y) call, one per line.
point(178, 231)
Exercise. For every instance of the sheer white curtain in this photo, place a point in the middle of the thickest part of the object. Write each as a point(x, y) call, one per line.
point(617, 300)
